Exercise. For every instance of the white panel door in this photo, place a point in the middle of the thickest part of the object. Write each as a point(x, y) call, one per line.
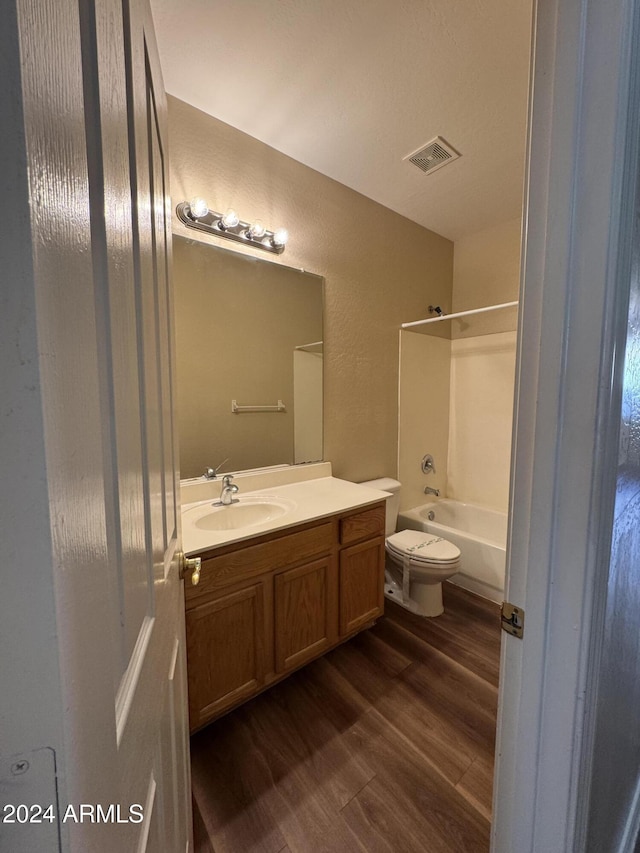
point(150, 687)
point(95, 168)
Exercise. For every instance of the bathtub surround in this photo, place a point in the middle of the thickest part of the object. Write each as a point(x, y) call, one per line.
point(457, 394)
point(480, 419)
point(456, 402)
point(424, 400)
point(371, 286)
point(486, 270)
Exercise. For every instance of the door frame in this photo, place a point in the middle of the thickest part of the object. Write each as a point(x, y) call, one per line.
point(577, 232)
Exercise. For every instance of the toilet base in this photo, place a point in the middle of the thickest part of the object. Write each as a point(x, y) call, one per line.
point(427, 600)
point(428, 597)
point(395, 596)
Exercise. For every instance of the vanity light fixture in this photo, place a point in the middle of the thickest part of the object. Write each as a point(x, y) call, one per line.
point(280, 237)
point(257, 230)
point(196, 214)
point(229, 220)
point(198, 207)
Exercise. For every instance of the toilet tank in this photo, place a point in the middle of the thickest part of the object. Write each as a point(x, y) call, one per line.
point(386, 484)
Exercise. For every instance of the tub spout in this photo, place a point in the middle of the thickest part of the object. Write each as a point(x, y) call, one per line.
point(429, 491)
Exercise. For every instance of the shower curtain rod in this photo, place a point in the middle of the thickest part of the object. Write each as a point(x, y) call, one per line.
point(441, 317)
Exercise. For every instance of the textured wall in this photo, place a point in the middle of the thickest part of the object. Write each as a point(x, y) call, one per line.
point(380, 270)
point(486, 271)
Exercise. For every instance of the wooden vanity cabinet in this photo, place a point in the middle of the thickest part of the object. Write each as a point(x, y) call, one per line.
point(268, 605)
point(228, 649)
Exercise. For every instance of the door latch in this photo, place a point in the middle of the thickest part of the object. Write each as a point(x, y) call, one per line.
point(193, 565)
point(512, 619)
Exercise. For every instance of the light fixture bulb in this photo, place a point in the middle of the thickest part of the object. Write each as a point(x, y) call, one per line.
point(198, 207)
point(230, 219)
point(280, 237)
point(256, 231)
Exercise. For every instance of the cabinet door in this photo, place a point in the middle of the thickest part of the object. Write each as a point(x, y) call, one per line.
point(361, 584)
point(305, 613)
point(226, 651)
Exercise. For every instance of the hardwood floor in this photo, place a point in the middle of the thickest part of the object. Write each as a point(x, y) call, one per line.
point(383, 745)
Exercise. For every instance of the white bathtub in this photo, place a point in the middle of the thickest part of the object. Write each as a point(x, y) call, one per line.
point(479, 533)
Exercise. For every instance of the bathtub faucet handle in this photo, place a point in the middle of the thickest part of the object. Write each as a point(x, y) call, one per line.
point(427, 464)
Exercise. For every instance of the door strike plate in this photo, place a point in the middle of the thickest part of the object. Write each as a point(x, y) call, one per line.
point(512, 619)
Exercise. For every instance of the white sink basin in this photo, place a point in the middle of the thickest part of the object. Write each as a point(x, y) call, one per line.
point(248, 512)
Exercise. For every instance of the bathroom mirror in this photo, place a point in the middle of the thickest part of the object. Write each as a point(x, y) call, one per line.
point(247, 330)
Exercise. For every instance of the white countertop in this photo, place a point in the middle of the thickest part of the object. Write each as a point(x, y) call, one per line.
point(303, 501)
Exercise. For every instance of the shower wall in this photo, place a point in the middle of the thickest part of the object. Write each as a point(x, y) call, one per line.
point(425, 363)
point(480, 415)
point(486, 271)
point(456, 394)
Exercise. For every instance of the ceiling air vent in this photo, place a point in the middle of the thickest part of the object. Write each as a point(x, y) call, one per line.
point(433, 155)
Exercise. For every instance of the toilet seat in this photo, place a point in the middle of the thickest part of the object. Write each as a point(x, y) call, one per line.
point(422, 548)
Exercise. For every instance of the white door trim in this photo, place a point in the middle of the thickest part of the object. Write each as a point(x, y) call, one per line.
point(581, 170)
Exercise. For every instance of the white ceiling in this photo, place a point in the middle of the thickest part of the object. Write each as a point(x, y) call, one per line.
point(350, 87)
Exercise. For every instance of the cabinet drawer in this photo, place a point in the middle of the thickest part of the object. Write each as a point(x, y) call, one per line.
point(362, 525)
point(252, 560)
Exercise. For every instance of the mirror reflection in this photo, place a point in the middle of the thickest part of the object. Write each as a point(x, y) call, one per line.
point(249, 338)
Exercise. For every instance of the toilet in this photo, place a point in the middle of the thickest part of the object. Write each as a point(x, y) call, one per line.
point(417, 562)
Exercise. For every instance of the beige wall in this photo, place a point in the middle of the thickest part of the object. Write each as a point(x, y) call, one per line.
point(380, 270)
point(486, 271)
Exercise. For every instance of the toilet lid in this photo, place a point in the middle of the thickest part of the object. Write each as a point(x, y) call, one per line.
point(422, 547)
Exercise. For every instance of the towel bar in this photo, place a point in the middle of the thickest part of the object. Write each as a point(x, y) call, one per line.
point(235, 408)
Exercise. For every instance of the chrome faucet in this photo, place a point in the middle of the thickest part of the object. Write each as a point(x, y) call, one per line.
point(229, 489)
point(429, 491)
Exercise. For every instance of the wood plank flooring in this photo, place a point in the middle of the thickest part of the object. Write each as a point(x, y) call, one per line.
point(383, 745)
